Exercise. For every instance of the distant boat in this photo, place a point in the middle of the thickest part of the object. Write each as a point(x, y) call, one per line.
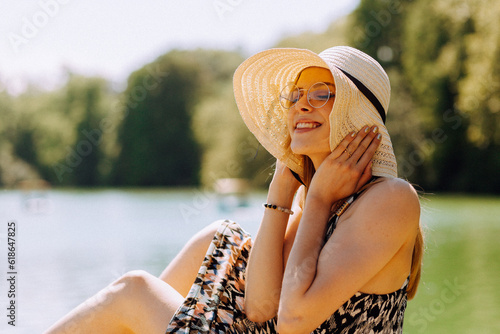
point(35, 198)
point(231, 193)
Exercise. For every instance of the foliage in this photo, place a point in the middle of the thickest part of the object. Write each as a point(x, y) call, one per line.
point(229, 149)
point(159, 146)
point(12, 168)
point(441, 52)
point(43, 136)
point(177, 124)
point(336, 34)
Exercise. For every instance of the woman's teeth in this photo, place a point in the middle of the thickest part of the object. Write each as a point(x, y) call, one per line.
point(307, 125)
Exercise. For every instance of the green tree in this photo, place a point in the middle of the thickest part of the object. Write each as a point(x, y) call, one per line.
point(335, 34)
point(479, 94)
point(229, 149)
point(12, 168)
point(47, 132)
point(446, 48)
point(89, 137)
point(72, 138)
point(443, 112)
point(157, 144)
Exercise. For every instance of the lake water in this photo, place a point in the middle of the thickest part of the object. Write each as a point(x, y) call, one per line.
point(70, 244)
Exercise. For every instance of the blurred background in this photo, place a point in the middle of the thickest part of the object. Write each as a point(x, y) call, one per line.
point(120, 137)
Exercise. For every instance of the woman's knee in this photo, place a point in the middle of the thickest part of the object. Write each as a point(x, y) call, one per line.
point(113, 302)
point(135, 280)
point(127, 301)
point(126, 290)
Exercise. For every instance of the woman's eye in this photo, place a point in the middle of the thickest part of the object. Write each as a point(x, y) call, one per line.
point(320, 95)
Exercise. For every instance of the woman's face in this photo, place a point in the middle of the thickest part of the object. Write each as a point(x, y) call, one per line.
point(309, 126)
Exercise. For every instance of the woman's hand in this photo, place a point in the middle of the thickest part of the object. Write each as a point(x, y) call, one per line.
point(283, 186)
point(283, 175)
point(347, 168)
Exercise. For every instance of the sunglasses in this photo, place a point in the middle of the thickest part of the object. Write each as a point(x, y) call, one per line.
point(317, 95)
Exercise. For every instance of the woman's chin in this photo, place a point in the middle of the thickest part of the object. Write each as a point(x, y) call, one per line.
point(302, 149)
point(297, 149)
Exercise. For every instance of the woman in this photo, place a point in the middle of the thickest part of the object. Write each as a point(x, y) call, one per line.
point(343, 259)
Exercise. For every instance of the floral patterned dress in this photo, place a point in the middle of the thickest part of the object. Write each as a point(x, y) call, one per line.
point(215, 303)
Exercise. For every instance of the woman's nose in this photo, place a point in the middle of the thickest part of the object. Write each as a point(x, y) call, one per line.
point(303, 105)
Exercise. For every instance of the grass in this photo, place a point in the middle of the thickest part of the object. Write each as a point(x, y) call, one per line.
point(460, 284)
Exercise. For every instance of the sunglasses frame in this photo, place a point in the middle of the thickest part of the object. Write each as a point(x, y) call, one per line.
point(282, 96)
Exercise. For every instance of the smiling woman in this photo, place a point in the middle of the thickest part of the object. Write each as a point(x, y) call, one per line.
point(352, 251)
point(339, 246)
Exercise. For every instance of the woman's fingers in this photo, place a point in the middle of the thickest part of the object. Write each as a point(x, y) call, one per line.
point(367, 147)
point(342, 147)
point(347, 168)
point(365, 177)
point(362, 156)
point(371, 148)
point(357, 145)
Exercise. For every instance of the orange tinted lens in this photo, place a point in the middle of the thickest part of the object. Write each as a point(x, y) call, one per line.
point(318, 95)
point(289, 96)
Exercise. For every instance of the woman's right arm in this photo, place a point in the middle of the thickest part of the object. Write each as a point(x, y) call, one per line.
point(265, 267)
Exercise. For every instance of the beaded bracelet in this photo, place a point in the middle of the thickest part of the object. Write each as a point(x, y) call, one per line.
point(275, 207)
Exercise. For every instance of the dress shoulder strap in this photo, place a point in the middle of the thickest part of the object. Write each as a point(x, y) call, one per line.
point(332, 222)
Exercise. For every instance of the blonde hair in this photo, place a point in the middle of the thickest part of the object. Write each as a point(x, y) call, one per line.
point(416, 263)
point(418, 248)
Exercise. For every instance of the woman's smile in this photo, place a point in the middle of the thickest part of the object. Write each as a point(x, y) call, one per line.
point(304, 125)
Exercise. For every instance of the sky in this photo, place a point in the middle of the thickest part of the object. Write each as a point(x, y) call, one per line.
point(112, 38)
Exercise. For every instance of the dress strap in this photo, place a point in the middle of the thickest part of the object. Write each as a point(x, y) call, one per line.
point(406, 282)
point(332, 222)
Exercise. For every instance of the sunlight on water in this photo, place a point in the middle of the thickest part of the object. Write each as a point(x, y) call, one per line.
point(71, 244)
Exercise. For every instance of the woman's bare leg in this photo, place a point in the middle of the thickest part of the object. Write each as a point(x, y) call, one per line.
point(138, 302)
point(182, 270)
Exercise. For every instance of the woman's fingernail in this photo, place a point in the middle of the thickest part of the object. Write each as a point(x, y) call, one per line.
point(353, 134)
point(367, 129)
point(379, 136)
point(375, 129)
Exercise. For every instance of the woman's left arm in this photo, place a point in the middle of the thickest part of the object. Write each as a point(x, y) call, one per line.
point(318, 280)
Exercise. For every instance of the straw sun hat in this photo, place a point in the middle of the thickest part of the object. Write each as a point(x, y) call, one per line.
point(361, 98)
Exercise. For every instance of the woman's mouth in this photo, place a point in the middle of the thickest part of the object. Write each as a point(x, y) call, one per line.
point(307, 125)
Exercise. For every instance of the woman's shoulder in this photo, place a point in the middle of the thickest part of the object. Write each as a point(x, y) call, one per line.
point(392, 189)
point(390, 197)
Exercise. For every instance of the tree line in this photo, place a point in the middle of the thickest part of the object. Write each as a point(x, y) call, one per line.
point(176, 123)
